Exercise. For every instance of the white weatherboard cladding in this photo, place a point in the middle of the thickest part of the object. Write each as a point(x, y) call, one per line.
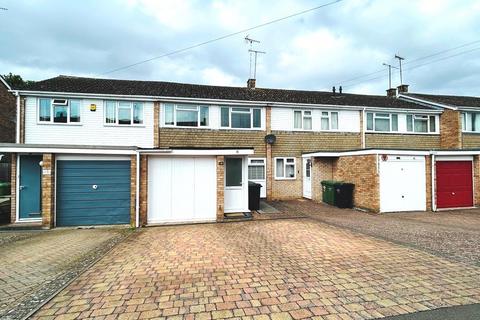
point(402, 183)
point(91, 130)
point(348, 120)
point(181, 189)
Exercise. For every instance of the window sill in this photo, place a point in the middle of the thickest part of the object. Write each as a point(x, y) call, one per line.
point(280, 179)
point(471, 132)
point(60, 123)
point(242, 129)
point(125, 125)
point(184, 127)
point(411, 133)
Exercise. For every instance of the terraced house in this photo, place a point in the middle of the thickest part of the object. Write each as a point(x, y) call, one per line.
point(101, 151)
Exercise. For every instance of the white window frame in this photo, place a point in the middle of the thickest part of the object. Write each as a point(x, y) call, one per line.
point(230, 112)
point(383, 118)
point(285, 163)
point(179, 107)
point(303, 116)
point(59, 102)
point(426, 117)
point(467, 117)
point(329, 120)
point(130, 105)
point(262, 164)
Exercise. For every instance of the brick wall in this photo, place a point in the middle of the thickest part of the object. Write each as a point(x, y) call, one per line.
point(402, 141)
point(13, 190)
point(156, 124)
point(476, 180)
point(133, 188)
point(22, 120)
point(288, 189)
point(220, 165)
point(322, 169)
point(205, 138)
point(450, 129)
point(143, 189)
point(7, 115)
point(470, 140)
point(361, 171)
point(48, 190)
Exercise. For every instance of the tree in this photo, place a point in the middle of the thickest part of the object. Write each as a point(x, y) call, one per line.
point(15, 80)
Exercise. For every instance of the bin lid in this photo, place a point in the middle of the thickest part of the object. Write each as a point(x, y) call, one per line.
point(331, 182)
point(253, 184)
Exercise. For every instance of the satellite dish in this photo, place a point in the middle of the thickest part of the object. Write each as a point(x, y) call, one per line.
point(270, 139)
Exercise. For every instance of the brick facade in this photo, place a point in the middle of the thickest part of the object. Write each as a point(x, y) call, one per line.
point(476, 180)
point(470, 140)
point(143, 190)
point(22, 120)
point(220, 165)
point(402, 141)
point(48, 191)
point(7, 115)
point(322, 169)
point(156, 124)
point(13, 189)
point(450, 129)
point(133, 189)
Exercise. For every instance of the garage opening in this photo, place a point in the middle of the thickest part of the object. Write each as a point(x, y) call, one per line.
point(454, 184)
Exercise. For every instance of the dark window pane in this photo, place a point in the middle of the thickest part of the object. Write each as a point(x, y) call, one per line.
point(187, 118)
point(110, 112)
point(204, 116)
point(138, 113)
point(225, 117)
point(74, 111)
point(394, 122)
point(44, 112)
point(257, 116)
point(369, 121)
point(233, 172)
point(124, 115)
point(432, 123)
point(241, 120)
point(60, 114)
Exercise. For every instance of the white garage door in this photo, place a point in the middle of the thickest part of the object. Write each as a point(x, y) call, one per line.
point(181, 189)
point(402, 183)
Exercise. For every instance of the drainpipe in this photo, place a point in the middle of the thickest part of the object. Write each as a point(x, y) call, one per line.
point(363, 129)
point(137, 192)
point(432, 172)
point(17, 134)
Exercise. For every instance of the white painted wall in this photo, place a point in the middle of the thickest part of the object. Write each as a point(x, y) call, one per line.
point(348, 121)
point(91, 130)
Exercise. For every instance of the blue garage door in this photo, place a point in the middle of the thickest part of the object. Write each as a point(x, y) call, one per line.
point(93, 192)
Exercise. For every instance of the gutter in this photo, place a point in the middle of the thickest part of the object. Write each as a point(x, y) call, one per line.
point(17, 124)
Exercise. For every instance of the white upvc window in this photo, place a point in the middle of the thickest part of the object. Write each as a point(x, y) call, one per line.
point(471, 121)
point(186, 115)
point(382, 122)
point(329, 120)
point(62, 111)
point(240, 118)
point(256, 169)
point(123, 113)
point(302, 119)
point(285, 168)
point(421, 123)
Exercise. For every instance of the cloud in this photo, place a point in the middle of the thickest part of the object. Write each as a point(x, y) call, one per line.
point(317, 50)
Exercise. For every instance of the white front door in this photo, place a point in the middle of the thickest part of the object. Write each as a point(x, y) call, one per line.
point(307, 178)
point(181, 189)
point(236, 185)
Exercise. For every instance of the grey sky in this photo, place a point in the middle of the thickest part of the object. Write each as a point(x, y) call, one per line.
point(43, 38)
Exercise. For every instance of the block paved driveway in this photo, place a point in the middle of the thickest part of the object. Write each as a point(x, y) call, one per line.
point(34, 264)
point(275, 269)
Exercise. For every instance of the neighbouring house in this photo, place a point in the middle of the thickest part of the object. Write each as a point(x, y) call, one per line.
point(7, 126)
point(102, 151)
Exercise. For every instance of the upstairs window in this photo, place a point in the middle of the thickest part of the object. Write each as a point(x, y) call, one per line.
point(58, 110)
point(285, 168)
point(471, 122)
point(302, 119)
point(421, 123)
point(329, 120)
point(240, 118)
point(123, 113)
point(382, 122)
point(186, 115)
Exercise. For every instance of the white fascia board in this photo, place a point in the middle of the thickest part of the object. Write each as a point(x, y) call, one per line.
point(401, 110)
point(470, 109)
point(427, 102)
point(66, 150)
point(5, 83)
point(455, 152)
point(365, 152)
point(199, 152)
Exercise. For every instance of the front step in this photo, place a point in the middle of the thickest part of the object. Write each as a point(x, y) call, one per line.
point(238, 216)
point(27, 226)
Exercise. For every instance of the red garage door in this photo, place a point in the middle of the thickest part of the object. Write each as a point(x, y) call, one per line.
point(454, 184)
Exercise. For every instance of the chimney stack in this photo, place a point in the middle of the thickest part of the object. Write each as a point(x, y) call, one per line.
point(251, 83)
point(333, 90)
point(340, 89)
point(392, 92)
point(403, 88)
